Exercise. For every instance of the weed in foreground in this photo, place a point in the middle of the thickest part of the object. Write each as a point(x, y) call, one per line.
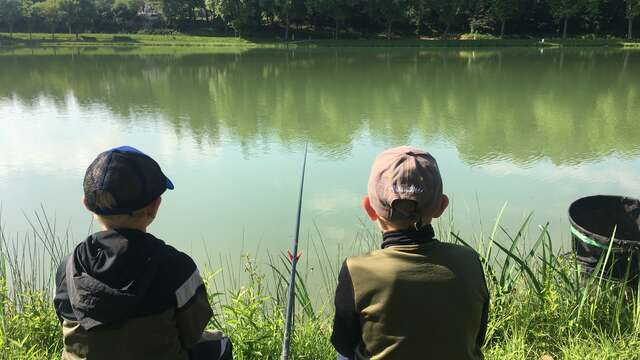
point(541, 302)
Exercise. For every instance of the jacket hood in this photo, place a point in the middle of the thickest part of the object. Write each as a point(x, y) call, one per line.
point(109, 274)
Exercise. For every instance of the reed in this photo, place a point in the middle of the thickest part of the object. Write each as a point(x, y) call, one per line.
point(541, 304)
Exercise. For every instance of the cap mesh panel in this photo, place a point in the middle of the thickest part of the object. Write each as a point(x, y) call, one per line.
point(134, 180)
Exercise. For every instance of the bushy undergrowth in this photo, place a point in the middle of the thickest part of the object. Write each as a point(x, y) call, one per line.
point(478, 36)
point(541, 303)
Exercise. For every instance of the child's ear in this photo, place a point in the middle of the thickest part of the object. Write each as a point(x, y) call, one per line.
point(366, 204)
point(444, 203)
point(84, 203)
point(152, 209)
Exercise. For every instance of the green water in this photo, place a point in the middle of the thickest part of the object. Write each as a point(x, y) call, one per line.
point(537, 129)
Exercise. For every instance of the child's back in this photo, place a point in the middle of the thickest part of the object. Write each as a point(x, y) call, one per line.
point(122, 293)
point(416, 298)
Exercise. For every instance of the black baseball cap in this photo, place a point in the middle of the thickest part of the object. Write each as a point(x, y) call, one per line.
point(133, 178)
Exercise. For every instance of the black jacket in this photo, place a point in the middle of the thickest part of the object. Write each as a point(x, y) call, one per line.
point(117, 282)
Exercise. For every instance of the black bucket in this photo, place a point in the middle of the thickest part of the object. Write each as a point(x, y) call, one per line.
point(593, 220)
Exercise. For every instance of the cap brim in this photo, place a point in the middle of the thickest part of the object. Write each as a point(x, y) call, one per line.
point(170, 184)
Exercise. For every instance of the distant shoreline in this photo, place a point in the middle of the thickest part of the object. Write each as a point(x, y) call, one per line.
point(21, 40)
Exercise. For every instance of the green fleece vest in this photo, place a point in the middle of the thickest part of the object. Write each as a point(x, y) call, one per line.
point(419, 302)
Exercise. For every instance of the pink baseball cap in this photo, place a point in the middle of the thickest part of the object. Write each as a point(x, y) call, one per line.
point(404, 173)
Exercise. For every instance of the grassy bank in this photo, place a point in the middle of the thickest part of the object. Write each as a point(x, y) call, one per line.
point(131, 40)
point(541, 305)
point(122, 40)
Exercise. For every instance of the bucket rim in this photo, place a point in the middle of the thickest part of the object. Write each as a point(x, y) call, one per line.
point(601, 240)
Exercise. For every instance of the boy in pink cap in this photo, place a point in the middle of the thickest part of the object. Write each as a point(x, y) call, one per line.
point(416, 297)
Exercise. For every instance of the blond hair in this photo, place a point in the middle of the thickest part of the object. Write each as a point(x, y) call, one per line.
point(105, 200)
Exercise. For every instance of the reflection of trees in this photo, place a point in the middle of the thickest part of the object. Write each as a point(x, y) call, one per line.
point(569, 106)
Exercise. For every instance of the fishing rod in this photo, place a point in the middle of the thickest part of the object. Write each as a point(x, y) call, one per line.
point(294, 262)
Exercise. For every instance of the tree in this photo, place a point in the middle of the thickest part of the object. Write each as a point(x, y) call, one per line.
point(448, 11)
point(592, 14)
point(237, 14)
point(563, 10)
point(336, 10)
point(28, 13)
point(49, 12)
point(104, 17)
point(478, 16)
point(77, 14)
point(388, 12)
point(174, 11)
point(597, 16)
point(416, 11)
point(284, 9)
point(632, 11)
point(504, 10)
point(9, 13)
point(125, 13)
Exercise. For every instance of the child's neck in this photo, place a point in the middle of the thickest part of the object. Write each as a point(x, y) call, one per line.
point(388, 226)
point(130, 227)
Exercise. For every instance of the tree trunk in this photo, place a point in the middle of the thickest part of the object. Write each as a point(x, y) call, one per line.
point(286, 29)
point(389, 23)
point(502, 21)
point(626, 61)
point(630, 28)
point(564, 30)
point(69, 25)
point(316, 25)
point(336, 29)
point(10, 31)
point(446, 31)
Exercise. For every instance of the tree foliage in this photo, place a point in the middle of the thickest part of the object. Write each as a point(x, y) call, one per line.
point(563, 10)
point(387, 12)
point(76, 14)
point(416, 12)
point(505, 10)
point(238, 14)
point(9, 13)
point(27, 11)
point(324, 18)
point(447, 11)
point(336, 10)
point(50, 14)
point(632, 10)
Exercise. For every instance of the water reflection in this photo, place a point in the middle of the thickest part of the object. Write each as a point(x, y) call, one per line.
point(568, 106)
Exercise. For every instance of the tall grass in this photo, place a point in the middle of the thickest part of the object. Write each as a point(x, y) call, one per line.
point(29, 328)
point(541, 303)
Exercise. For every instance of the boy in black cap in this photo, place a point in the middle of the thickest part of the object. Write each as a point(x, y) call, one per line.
point(416, 297)
point(122, 293)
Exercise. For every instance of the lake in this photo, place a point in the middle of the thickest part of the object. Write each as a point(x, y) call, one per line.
point(533, 128)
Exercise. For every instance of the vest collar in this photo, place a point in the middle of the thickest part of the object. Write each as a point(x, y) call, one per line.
point(423, 235)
